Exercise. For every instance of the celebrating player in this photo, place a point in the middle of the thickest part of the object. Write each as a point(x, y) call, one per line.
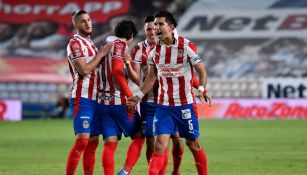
point(115, 118)
point(83, 59)
point(137, 71)
point(170, 62)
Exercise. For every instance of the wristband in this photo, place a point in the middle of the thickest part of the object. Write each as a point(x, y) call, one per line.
point(201, 89)
point(140, 94)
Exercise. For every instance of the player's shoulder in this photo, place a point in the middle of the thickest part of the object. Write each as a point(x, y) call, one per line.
point(119, 44)
point(188, 43)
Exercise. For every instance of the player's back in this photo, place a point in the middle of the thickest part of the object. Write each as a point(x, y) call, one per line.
point(109, 90)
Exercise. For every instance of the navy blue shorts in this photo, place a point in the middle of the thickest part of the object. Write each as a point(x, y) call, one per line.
point(148, 110)
point(116, 119)
point(169, 119)
point(83, 113)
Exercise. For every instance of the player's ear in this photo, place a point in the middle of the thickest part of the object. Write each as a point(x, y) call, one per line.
point(172, 26)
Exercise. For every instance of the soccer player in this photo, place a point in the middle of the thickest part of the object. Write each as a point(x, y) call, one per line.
point(83, 57)
point(115, 118)
point(137, 71)
point(170, 62)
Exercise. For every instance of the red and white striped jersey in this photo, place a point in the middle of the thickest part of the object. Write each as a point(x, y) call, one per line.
point(83, 86)
point(140, 56)
point(174, 71)
point(110, 92)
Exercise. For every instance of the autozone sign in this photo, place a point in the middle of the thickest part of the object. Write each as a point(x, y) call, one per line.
point(254, 109)
point(58, 10)
point(264, 23)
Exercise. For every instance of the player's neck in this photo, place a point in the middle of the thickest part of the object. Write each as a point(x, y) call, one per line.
point(151, 43)
point(85, 36)
point(169, 41)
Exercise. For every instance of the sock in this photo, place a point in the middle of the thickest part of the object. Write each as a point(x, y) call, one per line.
point(133, 153)
point(201, 162)
point(107, 158)
point(156, 163)
point(74, 156)
point(89, 157)
point(149, 152)
point(177, 153)
point(165, 163)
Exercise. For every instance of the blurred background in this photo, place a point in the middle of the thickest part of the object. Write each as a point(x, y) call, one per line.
point(255, 52)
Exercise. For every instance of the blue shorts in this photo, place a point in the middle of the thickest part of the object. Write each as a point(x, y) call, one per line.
point(116, 119)
point(83, 113)
point(169, 119)
point(148, 110)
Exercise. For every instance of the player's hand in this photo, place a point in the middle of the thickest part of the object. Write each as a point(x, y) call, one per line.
point(132, 101)
point(204, 97)
point(127, 58)
point(104, 50)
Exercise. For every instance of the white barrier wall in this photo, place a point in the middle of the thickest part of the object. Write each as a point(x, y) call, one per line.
point(10, 110)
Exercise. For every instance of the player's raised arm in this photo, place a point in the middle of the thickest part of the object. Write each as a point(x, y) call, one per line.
point(134, 69)
point(85, 68)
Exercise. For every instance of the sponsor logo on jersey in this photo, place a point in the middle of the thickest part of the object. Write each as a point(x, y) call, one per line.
point(186, 114)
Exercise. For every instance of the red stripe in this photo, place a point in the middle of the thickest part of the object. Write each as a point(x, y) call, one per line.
point(168, 53)
point(78, 96)
point(170, 91)
point(144, 56)
point(161, 97)
point(180, 50)
point(156, 91)
point(91, 85)
point(157, 56)
point(98, 85)
point(182, 95)
point(109, 76)
point(135, 50)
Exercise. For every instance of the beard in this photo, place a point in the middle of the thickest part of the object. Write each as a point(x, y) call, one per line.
point(85, 32)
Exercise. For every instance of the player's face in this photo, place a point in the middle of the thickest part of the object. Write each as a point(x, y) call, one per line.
point(150, 31)
point(84, 24)
point(163, 29)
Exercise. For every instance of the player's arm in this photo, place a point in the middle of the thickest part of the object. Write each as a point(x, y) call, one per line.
point(148, 83)
point(133, 68)
point(195, 81)
point(199, 66)
point(85, 68)
point(118, 74)
point(150, 79)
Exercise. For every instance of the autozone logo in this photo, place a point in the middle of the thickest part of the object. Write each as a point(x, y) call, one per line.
point(242, 23)
point(277, 109)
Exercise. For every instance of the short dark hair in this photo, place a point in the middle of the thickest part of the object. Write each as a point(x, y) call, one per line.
point(149, 19)
point(169, 18)
point(125, 29)
point(76, 14)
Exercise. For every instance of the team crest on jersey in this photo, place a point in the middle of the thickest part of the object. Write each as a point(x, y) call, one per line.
point(85, 124)
point(119, 49)
point(75, 46)
point(78, 52)
point(180, 52)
